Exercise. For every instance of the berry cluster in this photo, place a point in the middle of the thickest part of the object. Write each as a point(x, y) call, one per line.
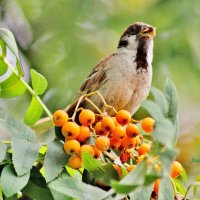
point(121, 134)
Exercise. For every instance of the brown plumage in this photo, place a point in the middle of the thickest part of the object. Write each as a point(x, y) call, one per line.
point(124, 77)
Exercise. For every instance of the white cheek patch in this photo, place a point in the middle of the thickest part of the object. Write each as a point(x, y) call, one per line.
point(150, 52)
point(132, 43)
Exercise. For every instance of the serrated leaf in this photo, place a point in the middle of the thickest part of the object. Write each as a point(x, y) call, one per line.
point(164, 133)
point(160, 100)
point(55, 160)
point(34, 112)
point(39, 82)
point(142, 193)
point(37, 187)
point(166, 191)
point(66, 186)
point(153, 109)
point(24, 155)
point(11, 183)
point(171, 95)
point(3, 149)
point(7, 36)
point(16, 128)
point(102, 172)
point(134, 179)
point(11, 87)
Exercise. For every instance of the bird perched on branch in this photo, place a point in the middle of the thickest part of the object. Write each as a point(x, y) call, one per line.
point(124, 78)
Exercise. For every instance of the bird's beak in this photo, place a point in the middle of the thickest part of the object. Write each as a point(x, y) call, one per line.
point(149, 32)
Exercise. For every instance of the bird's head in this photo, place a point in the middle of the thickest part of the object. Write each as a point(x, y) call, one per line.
point(135, 34)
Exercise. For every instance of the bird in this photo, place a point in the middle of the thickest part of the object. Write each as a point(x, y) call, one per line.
point(123, 78)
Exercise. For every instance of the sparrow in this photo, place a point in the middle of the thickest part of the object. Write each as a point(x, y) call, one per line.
point(124, 77)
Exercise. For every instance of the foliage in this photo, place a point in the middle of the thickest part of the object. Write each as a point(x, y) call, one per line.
point(22, 168)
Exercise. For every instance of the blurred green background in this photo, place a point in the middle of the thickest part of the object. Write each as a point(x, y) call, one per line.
point(64, 39)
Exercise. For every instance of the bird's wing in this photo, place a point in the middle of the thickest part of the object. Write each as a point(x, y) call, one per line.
point(93, 81)
point(95, 78)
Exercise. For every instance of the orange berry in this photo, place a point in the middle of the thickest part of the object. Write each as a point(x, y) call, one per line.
point(128, 142)
point(70, 130)
point(176, 169)
point(130, 167)
point(99, 131)
point(115, 121)
point(107, 124)
point(87, 117)
point(87, 148)
point(71, 146)
point(123, 117)
point(75, 162)
point(115, 143)
point(156, 186)
point(118, 169)
point(102, 143)
point(140, 158)
point(148, 124)
point(97, 153)
point(118, 132)
point(60, 117)
point(84, 134)
point(132, 130)
point(144, 148)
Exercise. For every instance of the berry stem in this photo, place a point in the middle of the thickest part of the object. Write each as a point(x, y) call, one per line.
point(173, 185)
point(89, 101)
point(112, 157)
point(77, 106)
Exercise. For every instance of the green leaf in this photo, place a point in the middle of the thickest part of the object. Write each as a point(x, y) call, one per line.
point(37, 187)
point(166, 191)
point(166, 158)
point(11, 183)
point(153, 109)
point(39, 82)
point(34, 112)
point(14, 197)
point(142, 193)
point(179, 186)
point(102, 172)
point(134, 179)
point(3, 67)
point(164, 133)
point(171, 95)
point(54, 161)
point(24, 155)
point(66, 186)
point(160, 100)
point(16, 129)
point(11, 87)
point(7, 36)
point(3, 48)
point(3, 149)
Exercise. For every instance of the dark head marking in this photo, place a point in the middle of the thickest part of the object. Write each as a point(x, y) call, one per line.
point(138, 29)
point(122, 43)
